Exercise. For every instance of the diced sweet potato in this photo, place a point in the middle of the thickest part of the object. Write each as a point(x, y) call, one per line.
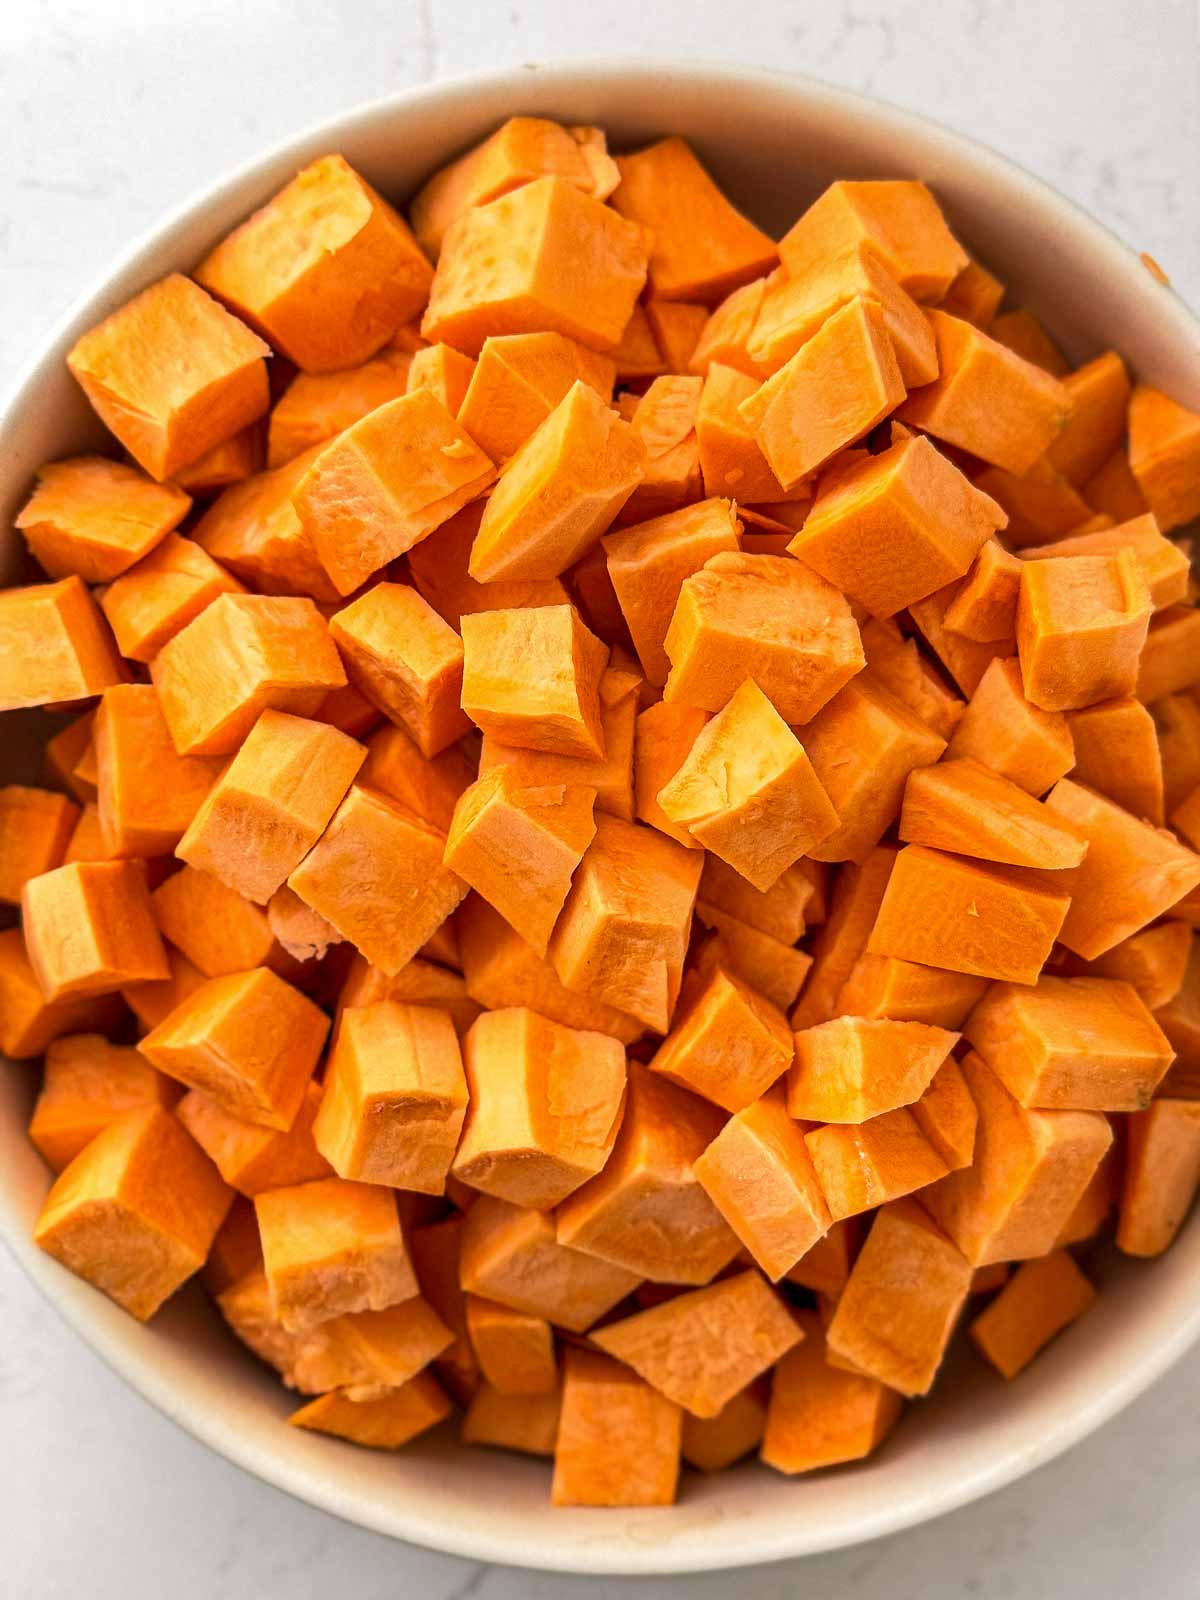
point(136, 1211)
point(1117, 753)
point(1154, 961)
point(906, 991)
point(1029, 1170)
point(857, 896)
point(774, 969)
point(251, 1158)
point(747, 791)
point(1162, 1174)
point(231, 461)
point(763, 617)
point(1040, 503)
point(377, 875)
point(326, 269)
point(332, 1247)
point(87, 1084)
point(731, 460)
point(147, 794)
point(35, 830)
point(89, 929)
point(730, 1046)
point(532, 678)
point(713, 1443)
point(867, 1164)
point(760, 1176)
point(830, 394)
point(820, 1415)
point(622, 935)
point(218, 931)
point(896, 1314)
point(151, 601)
point(510, 1254)
point(899, 218)
point(28, 1021)
point(1170, 660)
point(1024, 334)
point(984, 607)
point(527, 1423)
point(965, 807)
point(896, 664)
point(445, 372)
point(235, 1254)
point(96, 518)
point(975, 295)
point(725, 336)
point(618, 1439)
point(1164, 455)
point(1040, 1299)
point(545, 258)
point(54, 646)
point(986, 399)
point(969, 916)
point(946, 1115)
point(852, 1068)
point(316, 406)
point(171, 373)
point(825, 1266)
point(515, 1350)
point(965, 660)
point(518, 381)
point(1087, 1044)
point(666, 733)
point(1012, 736)
point(650, 1172)
point(428, 788)
point(381, 1419)
point(1081, 625)
point(248, 1040)
point(1131, 874)
point(384, 484)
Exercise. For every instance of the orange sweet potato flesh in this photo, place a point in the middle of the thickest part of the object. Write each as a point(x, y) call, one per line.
point(713, 1443)
point(1081, 628)
point(819, 1415)
point(532, 679)
point(97, 518)
point(965, 807)
point(899, 218)
point(1162, 1173)
point(87, 1085)
point(857, 895)
point(152, 600)
point(853, 1068)
point(89, 929)
point(1164, 455)
point(1117, 753)
point(316, 406)
point(866, 1164)
point(147, 794)
point(527, 1423)
point(252, 1159)
point(54, 646)
point(1040, 1299)
point(730, 1046)
point(759, 1175)
point(36, 826)
point(1012, 736)
point(381, 1419)
point(618, 1439)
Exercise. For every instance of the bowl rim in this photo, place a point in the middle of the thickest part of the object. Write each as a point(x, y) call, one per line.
point(1113, 255)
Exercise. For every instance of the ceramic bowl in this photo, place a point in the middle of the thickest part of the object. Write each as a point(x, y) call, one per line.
point(774, 143)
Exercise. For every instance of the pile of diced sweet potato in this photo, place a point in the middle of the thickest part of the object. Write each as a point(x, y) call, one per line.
point(623, 845)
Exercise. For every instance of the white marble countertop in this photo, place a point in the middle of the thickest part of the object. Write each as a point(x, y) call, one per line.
point(118, 109)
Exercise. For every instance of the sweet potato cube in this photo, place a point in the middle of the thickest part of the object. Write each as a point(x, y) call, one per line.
point(666, 733)
point(171, 374)
point(217, 930)
point(1022, 332)
point(28, 1021)
point(445, 372)
point(386, 1348)
point(969, 916)
point(545, 1107)
point(235, 1254)
point(618, 1439)
point(332, 1247)
point(147, 794)
point(726, 334)
point(747, 791)
point(527, 1423)
point(1081, 1044)
point(379, 1418)
point(395, 1097)
point(249, 1040)
point(825, 1266)
point(623, 932)
point(1164, 455)
point(676, 326)
point(831, 393)
point(1131, 874)
point(760, 1176)
point(326, 269)
point(64, 751)
point(35, 829)
point(385, 483)
point(1100, 394)
point(782, 910)
point(905, 991)
point(242, 655)
point(1040, 503)
point(867, 1164)
point(438, 568)
point(863, 746)
point(769, 618)
point(730, 1046)
point(151, 601)
point(712, 1443)
point(1164, 564)
point(986, 399)
point(965, 807)
point(648, 563)
point(96, 517)
point(965, 660)
point(54, 646)
point(429, 788)
point(251, 1158)
point(840, 941)
point(519, 380)
point(136, 1211)
point(559, 492)
point(896, 664)
point(897, 526)
point(420, 983)
point(975, 295)
point(1153, 961)
point(898, 218)
point(853, 1068)
point(515, 1350)
point(1081, 625)
point(946, 1115)
point(1040, 1299)
point(776, 970)
point(520, 150)
point(518, 847)
point(1117, 753)
point(500, 970)
point(702, 1348)
point(650, 1172)
point(509, 1253)
point(406, 660)
point(231, 461)
point(1162, 1174)
point(435, 1256)
point(87, 1084)
point(316, 406)
point(377, 875)
point(271, 803)
point(984, 607)
point(702, 246)
point(89, 929)
point(731, 461)
point(896, 1314)
point(532, 678)
point(1170, 660)
point(1029, 1170)
point(1012, 736)
point(546, 258)
point(820, 1415)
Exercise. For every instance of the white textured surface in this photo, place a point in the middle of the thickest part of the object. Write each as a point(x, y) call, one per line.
point(118, 109)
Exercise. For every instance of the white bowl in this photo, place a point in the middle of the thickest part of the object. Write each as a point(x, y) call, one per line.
point(774, 142)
